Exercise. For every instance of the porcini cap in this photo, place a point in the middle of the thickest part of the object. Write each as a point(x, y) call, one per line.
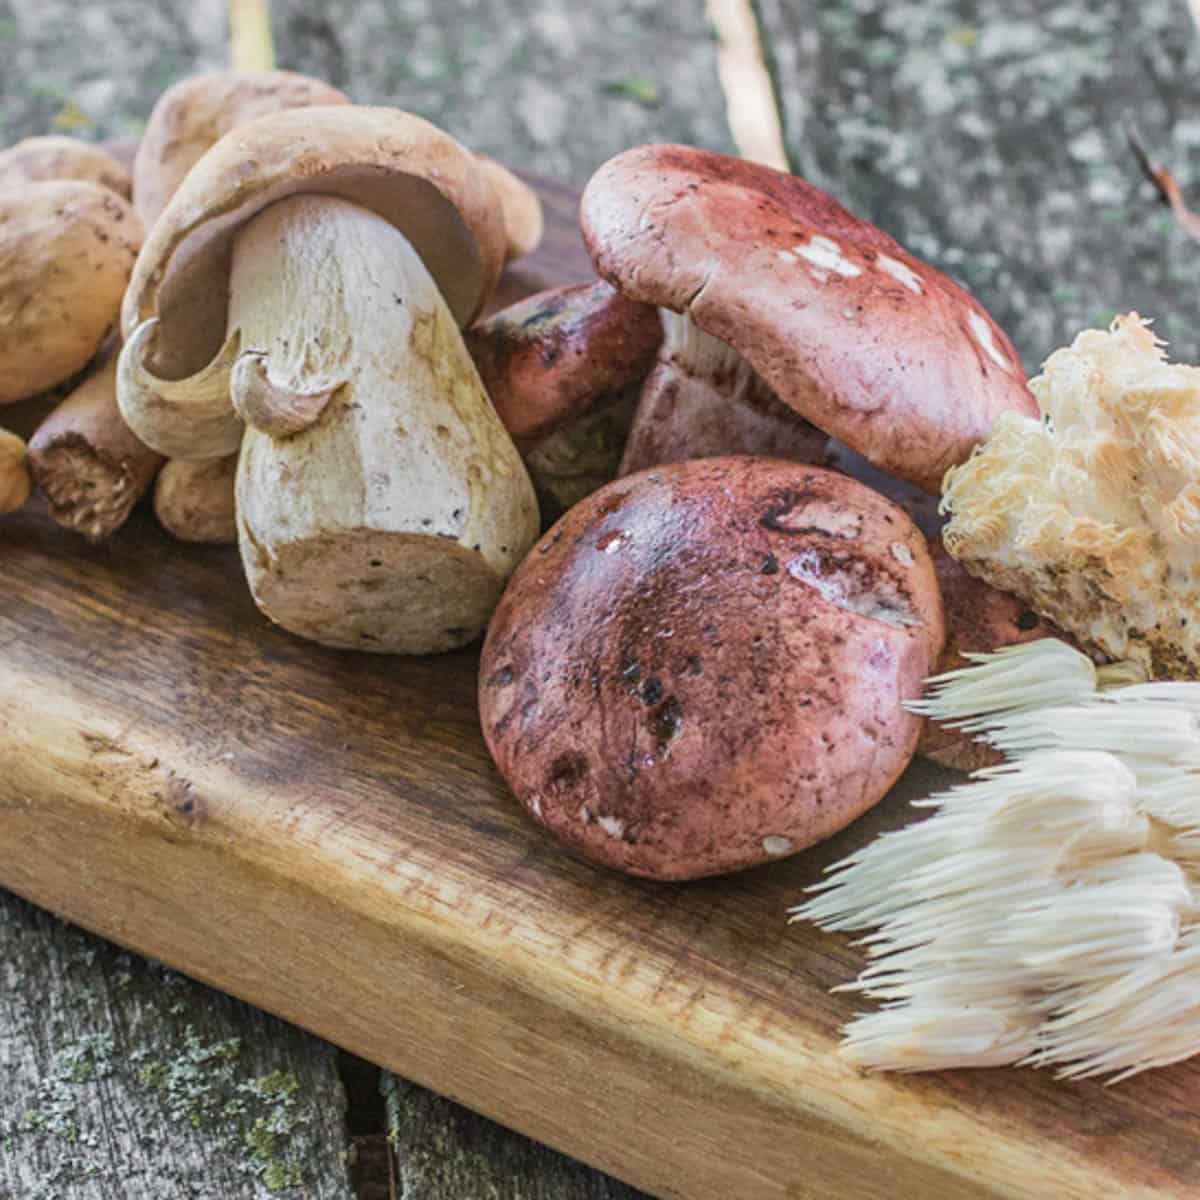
point(194, 114)
point(869, 343)
point(395, 164)
point(66, 251)
point(44, 159)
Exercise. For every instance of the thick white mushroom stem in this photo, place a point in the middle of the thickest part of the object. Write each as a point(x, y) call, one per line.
point(702, 399)
point(391, 522)
point(180, 418)
point(14, 473)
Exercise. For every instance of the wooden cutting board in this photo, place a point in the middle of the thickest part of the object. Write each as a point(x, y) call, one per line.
point(323, 834)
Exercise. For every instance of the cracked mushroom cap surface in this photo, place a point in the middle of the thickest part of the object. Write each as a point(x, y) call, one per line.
point(194, 114)
point(869, 343)
point(66, 251)
point(399, 166)
point(703, 666)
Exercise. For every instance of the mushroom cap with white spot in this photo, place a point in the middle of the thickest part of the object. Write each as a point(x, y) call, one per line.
point(869, 343)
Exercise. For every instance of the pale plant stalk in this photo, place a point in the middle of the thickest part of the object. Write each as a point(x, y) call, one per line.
point(750, 101)
point(251, 47)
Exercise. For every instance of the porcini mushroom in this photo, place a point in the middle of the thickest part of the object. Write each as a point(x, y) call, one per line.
point(195, 113)
point(867, 342)
point(66, 251)
point(15, 483)
point(523, 219)
point(563, 368)
point(704, 666)
point(44, 159)
point(88, 462)
point(381, 505)
point(194, 501)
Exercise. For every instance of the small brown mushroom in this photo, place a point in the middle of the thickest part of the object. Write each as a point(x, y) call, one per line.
point(15, 483)
point(867, 342)
point(380, 503)
point(194, 114)
point(44, 159)
point(705, 666)
point(66, 251)
point(523, 219)
point(194, 501)
point(87, 461)
point(979, 619)
point(562, 368)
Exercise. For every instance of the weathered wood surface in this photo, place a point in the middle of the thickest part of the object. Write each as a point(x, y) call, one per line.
point(122, 1080)
point(988, 139)
point(984, 137)
point(323, 834)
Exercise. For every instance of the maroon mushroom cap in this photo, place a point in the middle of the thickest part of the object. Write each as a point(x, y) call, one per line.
point(703, 666)
point(557, 355)
point(869, 343)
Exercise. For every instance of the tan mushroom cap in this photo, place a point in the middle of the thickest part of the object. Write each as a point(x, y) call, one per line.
point(196, 113)
point(44, 159)
point(869, 343)
point(66, 252)
point(426, 184)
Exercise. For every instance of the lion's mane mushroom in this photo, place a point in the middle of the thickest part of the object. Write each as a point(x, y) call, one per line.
point(381, 504)
point(66, 251)
point(195, 113)
point(865, 341)
point(44, 159)
point(562, 368)
point(704, 666)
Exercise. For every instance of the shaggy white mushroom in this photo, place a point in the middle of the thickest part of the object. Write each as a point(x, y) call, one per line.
point(1048, 912)
point(1091, 514)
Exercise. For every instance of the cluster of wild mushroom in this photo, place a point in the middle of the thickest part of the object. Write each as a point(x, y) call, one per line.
point(292, 370)
point(705, 663)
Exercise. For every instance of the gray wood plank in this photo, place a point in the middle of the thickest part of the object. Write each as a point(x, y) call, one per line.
point(987, 139)
point(124, 1081)
point(441, 1150)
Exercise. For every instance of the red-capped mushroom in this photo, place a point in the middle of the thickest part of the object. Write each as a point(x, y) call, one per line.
point(562, 369)
point(704, 666)
point(863, 339)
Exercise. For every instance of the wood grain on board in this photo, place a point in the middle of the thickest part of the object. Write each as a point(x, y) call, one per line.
point(323, 834)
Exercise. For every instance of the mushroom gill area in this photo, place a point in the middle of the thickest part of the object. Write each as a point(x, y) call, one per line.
point(702, 399)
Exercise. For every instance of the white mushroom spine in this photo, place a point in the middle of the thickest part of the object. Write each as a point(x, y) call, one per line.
point(388, 508)
point(1048, 912)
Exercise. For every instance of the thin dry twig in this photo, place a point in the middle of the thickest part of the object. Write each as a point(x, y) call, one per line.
point(1164, 182)
point(749, 93)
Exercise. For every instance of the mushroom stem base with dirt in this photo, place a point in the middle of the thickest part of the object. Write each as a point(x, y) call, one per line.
point(88, 461)
point(381, 504)
point(702, 399)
